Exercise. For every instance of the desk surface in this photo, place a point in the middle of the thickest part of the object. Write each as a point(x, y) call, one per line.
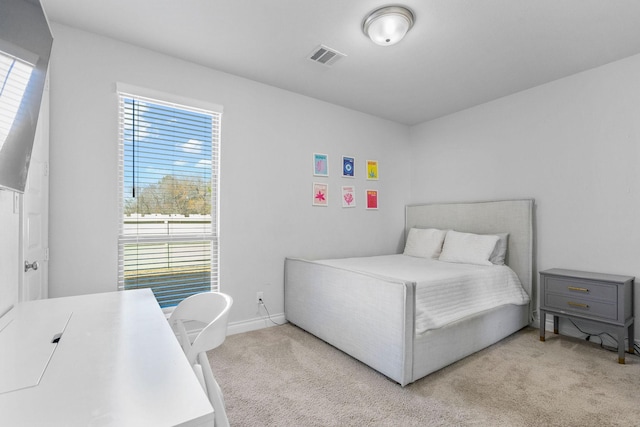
point(117, 364)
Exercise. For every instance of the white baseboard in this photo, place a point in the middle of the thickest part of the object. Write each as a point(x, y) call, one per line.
point(255, 324)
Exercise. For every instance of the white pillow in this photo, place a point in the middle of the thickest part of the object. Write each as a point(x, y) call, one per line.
point(499, 253)
point(468, 248)
point(424, 242)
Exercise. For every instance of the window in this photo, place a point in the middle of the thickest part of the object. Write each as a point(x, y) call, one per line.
point(168, 192)
point(14, 78)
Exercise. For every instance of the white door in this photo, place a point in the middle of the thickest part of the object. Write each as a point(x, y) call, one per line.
point(34, 283)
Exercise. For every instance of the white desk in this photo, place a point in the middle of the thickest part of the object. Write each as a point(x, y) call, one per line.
point(117, 364)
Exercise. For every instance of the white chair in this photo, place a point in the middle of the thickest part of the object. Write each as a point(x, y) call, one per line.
point(212, 310)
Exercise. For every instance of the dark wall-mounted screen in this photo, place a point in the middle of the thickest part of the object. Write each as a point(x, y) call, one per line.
point(25, 47)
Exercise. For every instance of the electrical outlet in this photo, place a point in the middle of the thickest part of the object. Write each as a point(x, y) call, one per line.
point(259, 297)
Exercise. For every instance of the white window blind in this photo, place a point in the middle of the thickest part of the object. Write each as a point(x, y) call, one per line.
point(168, 198)
point(14, 78)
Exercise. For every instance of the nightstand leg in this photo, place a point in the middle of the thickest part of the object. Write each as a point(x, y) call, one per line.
point(621, 333)
point(556, 322)
point(543, 321)
point(631, 336)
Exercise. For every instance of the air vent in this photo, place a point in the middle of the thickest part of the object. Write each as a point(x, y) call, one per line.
point(325, 55)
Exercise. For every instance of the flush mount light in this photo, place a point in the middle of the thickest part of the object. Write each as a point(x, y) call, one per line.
point(388, 25)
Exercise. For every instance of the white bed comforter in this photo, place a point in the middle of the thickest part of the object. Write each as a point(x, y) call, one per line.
point(445, 292)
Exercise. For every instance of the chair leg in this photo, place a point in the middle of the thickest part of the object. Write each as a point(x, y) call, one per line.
point(213, 391)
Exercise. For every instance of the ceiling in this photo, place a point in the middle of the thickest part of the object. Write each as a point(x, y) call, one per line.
point(460, 53)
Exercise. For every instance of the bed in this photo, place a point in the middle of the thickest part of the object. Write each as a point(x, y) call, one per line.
point(374, 316)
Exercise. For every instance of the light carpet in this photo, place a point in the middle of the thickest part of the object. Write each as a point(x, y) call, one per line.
point(283, 376)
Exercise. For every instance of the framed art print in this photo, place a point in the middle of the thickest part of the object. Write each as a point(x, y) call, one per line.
point(372, 170)
point(320, 164)
point(348, 166)
point(372, 199)
point(348, 197)
point(320, 194)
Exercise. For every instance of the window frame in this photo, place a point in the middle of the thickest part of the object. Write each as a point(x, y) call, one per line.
point(174, 101)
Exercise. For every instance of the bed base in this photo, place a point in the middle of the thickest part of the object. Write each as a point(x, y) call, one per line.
point(369, 317)
point(372, 319)
point(441, 347)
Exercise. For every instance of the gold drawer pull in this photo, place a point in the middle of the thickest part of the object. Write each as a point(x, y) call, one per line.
point(573, 288)
point(577, 304)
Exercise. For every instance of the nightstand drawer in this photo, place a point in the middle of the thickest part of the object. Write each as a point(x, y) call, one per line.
point(581, 289)
point(582, 306)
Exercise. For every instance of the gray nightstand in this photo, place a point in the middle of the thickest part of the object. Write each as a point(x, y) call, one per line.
point(606, 300)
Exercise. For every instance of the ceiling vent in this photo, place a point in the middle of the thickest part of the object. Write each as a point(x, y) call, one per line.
point(325, 55)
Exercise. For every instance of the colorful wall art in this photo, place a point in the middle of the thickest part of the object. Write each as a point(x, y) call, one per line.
point(348, 197)
point(348, 166)
point(320, 164)
point(372, 169)
point(320, 194)
point(372, 199)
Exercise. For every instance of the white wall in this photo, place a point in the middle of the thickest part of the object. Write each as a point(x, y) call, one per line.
point(268, 137)
point(573, 145)
point(9, 251)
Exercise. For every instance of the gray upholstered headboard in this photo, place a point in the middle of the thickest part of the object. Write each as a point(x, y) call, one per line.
point(504, 216)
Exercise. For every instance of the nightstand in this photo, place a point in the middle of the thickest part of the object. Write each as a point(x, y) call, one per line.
point(604, 300)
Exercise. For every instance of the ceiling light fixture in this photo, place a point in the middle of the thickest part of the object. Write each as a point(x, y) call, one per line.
point(388, 25)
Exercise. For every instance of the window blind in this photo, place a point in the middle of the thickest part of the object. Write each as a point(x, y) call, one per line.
point(168, 193)
point(14, 78)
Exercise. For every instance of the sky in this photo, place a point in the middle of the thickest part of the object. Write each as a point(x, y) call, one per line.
point(162, 140)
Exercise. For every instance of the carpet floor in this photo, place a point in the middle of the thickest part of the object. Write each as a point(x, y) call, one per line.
point(283, 376)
